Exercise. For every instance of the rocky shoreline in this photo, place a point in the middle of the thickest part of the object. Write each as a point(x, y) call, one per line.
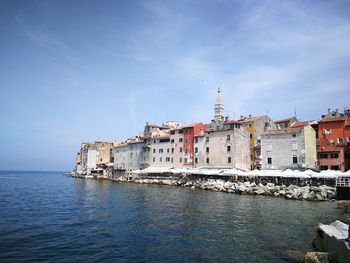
point(293, 192)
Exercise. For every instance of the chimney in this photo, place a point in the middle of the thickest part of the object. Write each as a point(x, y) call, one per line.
point(241, 116)
point(329, 110)
point(250, 115)
point(336, 111)
point(226, 118)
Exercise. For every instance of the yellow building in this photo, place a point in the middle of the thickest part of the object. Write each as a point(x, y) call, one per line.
point(256, 126)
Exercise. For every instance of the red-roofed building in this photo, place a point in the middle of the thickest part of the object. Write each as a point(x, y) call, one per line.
point(189, 131)
point(333, 144)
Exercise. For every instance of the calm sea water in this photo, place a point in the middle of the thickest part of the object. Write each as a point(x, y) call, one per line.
point(51, 217)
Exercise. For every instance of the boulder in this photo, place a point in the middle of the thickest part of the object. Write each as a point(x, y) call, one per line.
point(319, 197)
point(288, 196)
point(296, 193)
point(260, 191)
point(242, 188)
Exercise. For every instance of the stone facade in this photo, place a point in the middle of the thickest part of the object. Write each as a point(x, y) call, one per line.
point(224, 148)
point(291, 148)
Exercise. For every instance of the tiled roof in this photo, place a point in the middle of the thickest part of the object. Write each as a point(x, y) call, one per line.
point(252, 118)
point(332, 119)
point(299, 124)
point(283, 131)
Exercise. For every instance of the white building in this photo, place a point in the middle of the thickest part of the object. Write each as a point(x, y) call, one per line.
point(293, 148)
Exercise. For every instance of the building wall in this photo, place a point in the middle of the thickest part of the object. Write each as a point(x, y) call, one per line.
point(188, 147)
point(256, 127)
point(91, 159)
point(176, 141)
point(160, 152)
point(218, 154)
point(129, 157)
point(330, 130)
point(103, 152)
point(282, 148)
point(310, 146)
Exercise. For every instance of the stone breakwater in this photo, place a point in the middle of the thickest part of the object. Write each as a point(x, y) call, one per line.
point(294, 192)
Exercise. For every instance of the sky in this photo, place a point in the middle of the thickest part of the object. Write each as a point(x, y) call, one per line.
point(74, 71)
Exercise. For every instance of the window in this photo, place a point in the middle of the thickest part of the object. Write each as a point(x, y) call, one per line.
point(180, 140)
point(340, 140)
point(172, 132)
point(258, 141)
point(295, 159)
point(172, 160)
point(324, 167)
point(328, 132)
point(172, 141)
point(207, 150)
point(180, 149)
point(180, 159)
point(229, 159)
point(167, 159)
point(154, 141)
point(186, 151)
point(207, 139)
point(172, 150)
point(168, 150)
point(323, 156)
point(335, 167)
point(195, 140)
point(258, 153)
point(347, 155)
point(331, 142)
point(228, 148)
point(294, 135)
point(160, 150)
point(186, 130)
point(195, 160)
point(334, 155)
point(269, 160)
point(180, 131)
point(251, 136)
point(186, 141)
point(154, 159)
point(160, 159)
point(164, 140)
point(207, 160)
point(250, 125)
point(228, 137)
point(185, 160)
point(196, 150)
point(100, 159)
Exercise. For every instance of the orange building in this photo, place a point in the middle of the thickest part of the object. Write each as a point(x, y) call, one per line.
point(333, 143)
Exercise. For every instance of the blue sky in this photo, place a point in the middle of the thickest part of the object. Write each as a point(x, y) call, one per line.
point(73, 71)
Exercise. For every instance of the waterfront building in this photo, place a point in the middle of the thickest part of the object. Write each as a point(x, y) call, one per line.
point(256, 126)
point(226, 147)
point(189, 131)
point(129, 156)
point(292, 147)
point(95, 154)
point(333, 144)
point(177, 150)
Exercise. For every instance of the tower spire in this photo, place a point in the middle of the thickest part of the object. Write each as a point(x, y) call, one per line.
point(219, 108)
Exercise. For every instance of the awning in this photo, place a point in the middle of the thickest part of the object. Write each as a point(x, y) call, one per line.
point(154, 170)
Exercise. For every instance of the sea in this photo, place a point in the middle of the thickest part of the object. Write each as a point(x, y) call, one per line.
point(49, 217)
